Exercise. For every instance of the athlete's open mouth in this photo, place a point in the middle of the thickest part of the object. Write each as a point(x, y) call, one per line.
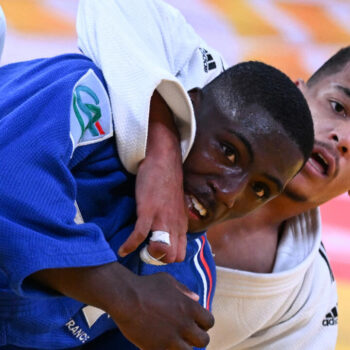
point(323, 161)
point(197, 207)
point(319, 162)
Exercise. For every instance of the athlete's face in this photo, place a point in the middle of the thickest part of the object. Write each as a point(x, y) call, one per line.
point(327, 173)
point(237, 163)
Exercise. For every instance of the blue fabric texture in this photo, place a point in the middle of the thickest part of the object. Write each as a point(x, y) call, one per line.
point(41, 179)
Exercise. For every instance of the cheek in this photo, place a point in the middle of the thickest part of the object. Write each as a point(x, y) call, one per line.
point(201, 161)
point(246, 203)
point(195, 162)
point(320, 125)
point(343, 182)
point(322, 118)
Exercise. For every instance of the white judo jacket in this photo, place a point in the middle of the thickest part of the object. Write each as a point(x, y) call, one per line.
point(292, 308)
point(142, 46)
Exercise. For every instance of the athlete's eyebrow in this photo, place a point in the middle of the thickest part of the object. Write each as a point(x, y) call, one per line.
point(343, 89)
point(245, 142)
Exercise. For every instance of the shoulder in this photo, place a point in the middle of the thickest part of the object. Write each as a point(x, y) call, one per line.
point(80, 92)
point(90, 110)
point(61, 100)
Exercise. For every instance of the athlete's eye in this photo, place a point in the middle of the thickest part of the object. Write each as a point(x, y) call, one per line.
point(261, 190)
point(229, 153)
point(338, 108)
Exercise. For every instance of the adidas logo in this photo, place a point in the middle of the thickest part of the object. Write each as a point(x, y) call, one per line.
point(208, 60)
point(331, 319)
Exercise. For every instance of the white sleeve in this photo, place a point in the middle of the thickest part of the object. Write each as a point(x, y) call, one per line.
point(203, 67)
point(194, 62)
point(132, 42)
point(2, 30)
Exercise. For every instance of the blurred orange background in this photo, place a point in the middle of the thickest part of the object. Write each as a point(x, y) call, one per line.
point(296, 36)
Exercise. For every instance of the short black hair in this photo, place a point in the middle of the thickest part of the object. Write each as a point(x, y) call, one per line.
point(254, 82)
point(335, 64)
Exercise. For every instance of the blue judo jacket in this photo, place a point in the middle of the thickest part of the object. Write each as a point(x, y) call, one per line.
point(66, 201)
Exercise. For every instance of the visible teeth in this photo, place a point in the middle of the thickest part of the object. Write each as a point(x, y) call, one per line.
point(323, 159)
point(202, 211)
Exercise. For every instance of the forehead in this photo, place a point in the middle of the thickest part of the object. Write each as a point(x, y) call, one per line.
point(254, 120)
point(342, 77)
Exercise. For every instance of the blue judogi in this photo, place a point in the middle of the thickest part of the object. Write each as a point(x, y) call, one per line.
point(58, 154)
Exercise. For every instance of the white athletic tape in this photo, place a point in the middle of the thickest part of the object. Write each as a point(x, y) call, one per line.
point(147, 258)
point(161, 236)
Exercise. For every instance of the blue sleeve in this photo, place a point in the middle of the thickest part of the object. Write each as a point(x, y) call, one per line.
point(37, 189)
point(197, 272)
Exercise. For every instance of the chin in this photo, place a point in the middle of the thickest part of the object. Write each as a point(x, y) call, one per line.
point(195, 228)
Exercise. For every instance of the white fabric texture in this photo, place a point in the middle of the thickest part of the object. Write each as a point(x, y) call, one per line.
point(143, 45)
point(285, 309)
point(2, 30)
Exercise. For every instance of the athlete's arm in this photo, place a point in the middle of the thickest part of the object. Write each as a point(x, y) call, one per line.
point(159, 188)
point(153, 312)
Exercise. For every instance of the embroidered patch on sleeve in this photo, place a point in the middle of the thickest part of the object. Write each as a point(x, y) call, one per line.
point(90, 112)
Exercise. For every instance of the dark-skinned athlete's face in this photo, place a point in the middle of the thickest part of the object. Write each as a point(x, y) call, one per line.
point(237, 163)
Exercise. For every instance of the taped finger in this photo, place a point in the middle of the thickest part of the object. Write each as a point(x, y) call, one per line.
point(161, 236)
point(147, 258)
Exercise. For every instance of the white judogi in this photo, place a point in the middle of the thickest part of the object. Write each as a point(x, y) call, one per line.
point(142, 46)
point(293, 308)
point(2, 30)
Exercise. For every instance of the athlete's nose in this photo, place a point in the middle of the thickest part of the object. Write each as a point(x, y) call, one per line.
point(228, 190)
point(342, 143)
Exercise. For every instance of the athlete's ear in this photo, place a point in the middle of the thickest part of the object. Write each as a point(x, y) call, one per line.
point(195, 96)
point(300, 83)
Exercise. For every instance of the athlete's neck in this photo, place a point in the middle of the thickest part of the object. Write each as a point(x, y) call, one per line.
point(250, 243)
